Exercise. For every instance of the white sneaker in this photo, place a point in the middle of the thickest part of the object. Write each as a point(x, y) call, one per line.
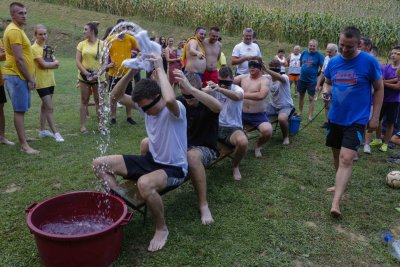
point(58, 137)
point(45, 133)
point(119, 105)
point(367, 149)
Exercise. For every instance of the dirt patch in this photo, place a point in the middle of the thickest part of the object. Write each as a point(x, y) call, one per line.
point(12, 188)
point(352, 236)
point(311, 224)
point(56, 186)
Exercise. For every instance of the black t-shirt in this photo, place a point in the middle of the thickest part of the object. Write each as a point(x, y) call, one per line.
point(202, 125)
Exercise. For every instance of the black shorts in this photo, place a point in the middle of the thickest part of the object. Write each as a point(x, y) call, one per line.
point(3, 98)
point(45, 91)
point(113, 81)
point(225, 133)
point(139, 165)
point(350, 137)
point(391, 110)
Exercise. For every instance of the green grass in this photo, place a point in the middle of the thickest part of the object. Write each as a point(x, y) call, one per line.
point(278, 215)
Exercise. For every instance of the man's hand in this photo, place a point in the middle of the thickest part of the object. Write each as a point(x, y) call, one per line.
point(326, 97)
point(183, 81)
point(373, 123)
point(31, 84)
point(200, 55)
point(157, 60)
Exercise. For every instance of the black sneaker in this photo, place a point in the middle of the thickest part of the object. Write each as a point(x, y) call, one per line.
point(131, 121)
point(324, 126)
point(113, 121)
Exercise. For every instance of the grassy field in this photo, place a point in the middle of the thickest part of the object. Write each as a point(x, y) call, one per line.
point(278, 215)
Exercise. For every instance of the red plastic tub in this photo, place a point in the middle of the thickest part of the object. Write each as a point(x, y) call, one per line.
point(97, 248)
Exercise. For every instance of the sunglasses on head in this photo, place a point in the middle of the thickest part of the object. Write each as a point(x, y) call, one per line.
point(254, 64)
point(227, 83)
point(149, 106)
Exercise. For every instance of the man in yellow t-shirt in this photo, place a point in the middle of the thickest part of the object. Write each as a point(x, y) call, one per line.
point(18, 71)
point(3, 99)
point(120, 48)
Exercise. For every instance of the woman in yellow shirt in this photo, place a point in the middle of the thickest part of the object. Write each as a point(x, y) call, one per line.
point(88, 53)
point(45, 63)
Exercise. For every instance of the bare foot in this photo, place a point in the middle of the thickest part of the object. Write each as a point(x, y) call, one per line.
point(257, 152)
point(335, 212)
point(286, 141)
point(159, 240)
point(5, 141)
point(206, 217)
point(236, 174)
point(330, 189)
point(29, 150)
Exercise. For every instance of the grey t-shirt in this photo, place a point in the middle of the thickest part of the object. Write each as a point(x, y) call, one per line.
point(279, 93)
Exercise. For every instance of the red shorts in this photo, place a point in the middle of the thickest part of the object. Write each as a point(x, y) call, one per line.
point(294, 77)
point(210, 76)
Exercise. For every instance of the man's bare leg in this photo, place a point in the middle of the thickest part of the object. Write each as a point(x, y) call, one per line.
point(284, 124)
point(388, 133)
point(336, 153)
point(239, 140)
point(3, 139)
point(265, 130)
point(310, 107)
point(301, 103)
point(149, 185)
point(20, 128)
point(343, 175)
point(197, 175)
point(106, 168)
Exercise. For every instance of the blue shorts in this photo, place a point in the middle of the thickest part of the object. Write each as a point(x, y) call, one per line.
point(254, 119)
point(198, 74)
point(139, 165)
point(302, 87)
point(19, 93)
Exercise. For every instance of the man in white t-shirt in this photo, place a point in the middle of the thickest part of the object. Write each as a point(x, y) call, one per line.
point(230, 129)
point(165, 162)
point(280, 101)
point(245, 51)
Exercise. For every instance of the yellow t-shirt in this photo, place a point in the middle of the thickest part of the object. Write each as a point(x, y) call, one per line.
point(91, 54)
point(15, 35)
point(1, 76)
point(44, 77)
point(119, 51)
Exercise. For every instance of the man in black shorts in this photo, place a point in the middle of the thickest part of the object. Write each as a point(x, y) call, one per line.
point(348, 78)
point(202, 112)
point(165, 163)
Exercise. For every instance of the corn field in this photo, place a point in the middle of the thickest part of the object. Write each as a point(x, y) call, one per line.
point(284, 20)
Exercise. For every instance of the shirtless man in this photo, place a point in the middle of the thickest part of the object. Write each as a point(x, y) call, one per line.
point(255, 91)
point(213, 53)
point(194, 53)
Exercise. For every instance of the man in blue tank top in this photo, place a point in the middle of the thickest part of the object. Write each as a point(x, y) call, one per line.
point(348, 81)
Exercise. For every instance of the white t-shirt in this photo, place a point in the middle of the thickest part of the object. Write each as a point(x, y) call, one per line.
point(279, 93)
point(231, 113)
point(326, 60)
point(294, 64)
point(167, 137)
point(243, 49)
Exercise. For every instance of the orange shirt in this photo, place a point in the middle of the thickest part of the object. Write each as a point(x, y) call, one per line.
point(119, 51)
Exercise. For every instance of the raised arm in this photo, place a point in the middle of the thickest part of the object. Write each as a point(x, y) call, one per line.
point(275, 75)
point(118, 93)
point(208, 100)
point(166, 88)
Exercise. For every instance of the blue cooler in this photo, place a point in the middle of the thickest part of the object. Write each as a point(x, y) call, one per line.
point(294, 125)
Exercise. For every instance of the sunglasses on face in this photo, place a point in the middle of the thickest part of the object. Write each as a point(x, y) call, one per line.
point(152, 103)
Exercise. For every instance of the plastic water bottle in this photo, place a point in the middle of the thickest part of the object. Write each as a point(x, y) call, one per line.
point(393, 244)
